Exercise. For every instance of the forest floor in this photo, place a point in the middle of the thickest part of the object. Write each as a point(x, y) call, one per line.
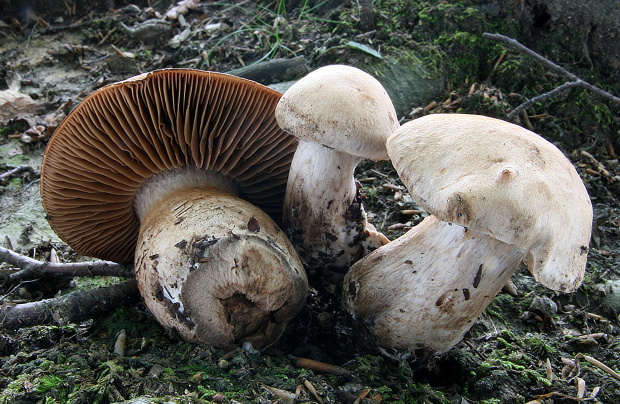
point(530, 345)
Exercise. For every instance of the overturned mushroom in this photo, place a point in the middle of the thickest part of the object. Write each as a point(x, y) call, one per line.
point(341, 115)
point(500, 194)
point(174, 169)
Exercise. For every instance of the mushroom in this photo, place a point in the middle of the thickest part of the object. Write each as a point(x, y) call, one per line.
point(499, 194)
point(183, 172)
point(341, 115)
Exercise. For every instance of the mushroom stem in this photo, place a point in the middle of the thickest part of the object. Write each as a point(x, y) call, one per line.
point(341, 115)
point(509, 195)
point(212, 267)
point(442, 276)
point(322, 208)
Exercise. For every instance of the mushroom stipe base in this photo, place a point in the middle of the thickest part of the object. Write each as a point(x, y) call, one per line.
point(214, 269)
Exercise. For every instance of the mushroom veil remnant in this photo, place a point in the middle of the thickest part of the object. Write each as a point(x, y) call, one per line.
point(183, 172)
point(341, 115)
point(499, 194)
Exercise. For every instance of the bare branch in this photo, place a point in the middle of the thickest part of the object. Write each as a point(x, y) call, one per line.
point(16, 170)
point(523, 49)
point(574, 80)
point(73, 307)
point(542, 97)
point(33, 269)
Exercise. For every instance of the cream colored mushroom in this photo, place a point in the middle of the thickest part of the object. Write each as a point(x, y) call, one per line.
point(341, 115)
point(174, 169)
point(499, 194)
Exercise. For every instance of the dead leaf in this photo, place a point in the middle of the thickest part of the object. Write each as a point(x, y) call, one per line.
point(13, 104)
point(182, 7)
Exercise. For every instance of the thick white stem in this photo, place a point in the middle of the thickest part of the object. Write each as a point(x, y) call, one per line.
point(215, 269)
point(323, 215)
point(427, 288)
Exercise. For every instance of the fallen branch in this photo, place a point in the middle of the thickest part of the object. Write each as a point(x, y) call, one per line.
point(574, 81)
point(16, 170)
point(32, 269)
point(73, 307)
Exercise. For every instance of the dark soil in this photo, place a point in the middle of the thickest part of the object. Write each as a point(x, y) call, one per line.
point(532, 345)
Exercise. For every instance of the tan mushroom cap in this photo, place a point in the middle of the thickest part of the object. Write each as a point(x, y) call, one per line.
point(333, 97)
point(502, 180)
point(126, 132)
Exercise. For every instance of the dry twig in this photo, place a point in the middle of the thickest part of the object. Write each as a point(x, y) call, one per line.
point(599, 365)
point(317, 366)
point(15, 171)
point(73, 307)
point(32, 269)
point(574, 81)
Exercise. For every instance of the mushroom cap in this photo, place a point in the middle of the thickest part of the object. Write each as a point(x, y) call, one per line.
point(340, 107)
point(126, 132)
point(500, 179)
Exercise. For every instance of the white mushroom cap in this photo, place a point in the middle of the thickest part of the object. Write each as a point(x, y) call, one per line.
point(502, 180)
point(499, 194)
point(340, 114)
point(340, 107)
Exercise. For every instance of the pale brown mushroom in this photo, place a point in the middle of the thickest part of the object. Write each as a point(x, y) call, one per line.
point(175, 169)
point(499, 194)
point(341, 115)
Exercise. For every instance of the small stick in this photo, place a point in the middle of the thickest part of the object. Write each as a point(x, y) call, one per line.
point(33, 269)
point(599, 166)
point(319, 366)
point(574, 80)
point(362, 395)
point(542, 97)
point(15, 171)
point(599, 365)
point(313, 391)
point(73, 307)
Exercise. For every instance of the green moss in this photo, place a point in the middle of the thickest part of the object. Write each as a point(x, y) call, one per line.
point(51, 382)
point(206, 394)
point(539, 346)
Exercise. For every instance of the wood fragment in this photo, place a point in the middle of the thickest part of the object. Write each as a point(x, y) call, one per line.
point(32, 269)
point(397, 226)
point(362, 395)
point(317, 366)
point(73, 307)
point(15, 171)
point(595, 317)
point(581, 387)
point(599, 364)
point(573, 82)
point(313, 391)
point(600, 168)
point(282, 396)
point(411, 211)
point(549, 370)
point(120, 343)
